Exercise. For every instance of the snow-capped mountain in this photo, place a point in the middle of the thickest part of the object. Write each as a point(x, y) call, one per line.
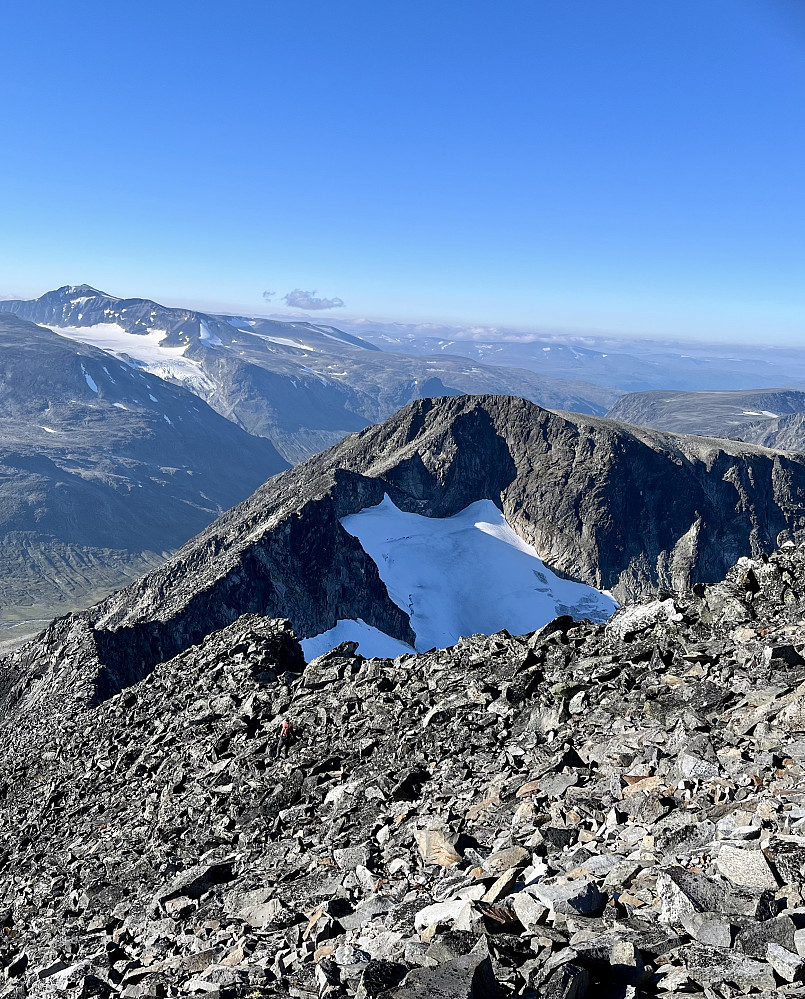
point(105, 468)
point(301, 385)
point(83, 307)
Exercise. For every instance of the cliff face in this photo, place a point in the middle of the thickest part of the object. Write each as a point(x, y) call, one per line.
point(786, 433)
point(618, 507)
point(622, 508)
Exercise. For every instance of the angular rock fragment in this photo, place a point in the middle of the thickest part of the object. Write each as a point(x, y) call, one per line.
point(580, 897)
point(645, 838)
point(746, 868)
point(434, 848)
point(790, 967)
point(469, 977)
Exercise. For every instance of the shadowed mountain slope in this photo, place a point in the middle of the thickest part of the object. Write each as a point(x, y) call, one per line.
point(104, 469)
point(623, 509)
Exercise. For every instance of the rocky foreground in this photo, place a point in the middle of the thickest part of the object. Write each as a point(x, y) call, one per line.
point(592, 810)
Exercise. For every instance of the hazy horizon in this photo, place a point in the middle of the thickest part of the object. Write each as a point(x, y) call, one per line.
point(461, 329)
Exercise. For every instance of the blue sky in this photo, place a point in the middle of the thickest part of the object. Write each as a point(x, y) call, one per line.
point(629, 166)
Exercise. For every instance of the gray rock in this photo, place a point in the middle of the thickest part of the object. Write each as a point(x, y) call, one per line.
point(528, 910)
point(581, 897)
point(568, 982)
point(709, 929)
point(708, 966)
point(746, 868)
point(790, 967)
point(469, 977)
point(504, 860)
point(682, 893)
point(754, 938)
point(626, 965)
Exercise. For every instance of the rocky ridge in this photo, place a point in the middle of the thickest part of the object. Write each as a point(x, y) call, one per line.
point(589, 811)
point(622, 508)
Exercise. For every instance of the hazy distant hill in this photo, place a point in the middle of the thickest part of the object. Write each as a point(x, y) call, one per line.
point(631, 365)
point(715, 414)
point(786, 433)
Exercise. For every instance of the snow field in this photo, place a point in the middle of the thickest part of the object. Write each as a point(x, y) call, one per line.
point(461, 575)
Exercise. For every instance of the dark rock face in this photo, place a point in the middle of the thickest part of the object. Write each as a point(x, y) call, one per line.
point(591, 810)
point(623, 509)
point(104, 469)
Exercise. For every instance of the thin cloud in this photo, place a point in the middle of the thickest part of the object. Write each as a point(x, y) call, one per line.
point(268, 295)
point(299, 299)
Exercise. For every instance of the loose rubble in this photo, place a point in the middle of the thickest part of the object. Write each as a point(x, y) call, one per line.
point(593, 810)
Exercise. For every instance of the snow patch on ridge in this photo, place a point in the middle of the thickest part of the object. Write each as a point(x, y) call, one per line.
point(461, 575)
point(89, 379)
point(207, 336)
point(373, 644)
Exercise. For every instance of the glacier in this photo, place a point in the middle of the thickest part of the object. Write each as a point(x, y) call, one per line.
point(454, 576)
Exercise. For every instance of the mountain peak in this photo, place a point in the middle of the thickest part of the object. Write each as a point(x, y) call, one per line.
point(77, 289)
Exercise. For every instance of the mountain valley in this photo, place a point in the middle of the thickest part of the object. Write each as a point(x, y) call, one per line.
point(104, 470)
point(301, 385)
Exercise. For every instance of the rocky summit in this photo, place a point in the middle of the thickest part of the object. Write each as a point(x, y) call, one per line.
point(620, 508)
point(592, 810)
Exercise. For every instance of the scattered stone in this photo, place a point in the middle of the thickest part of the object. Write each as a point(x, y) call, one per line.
point(644, 839)
point(787, 965)
point(709, 929)
point(580, 897)
point(434, 848)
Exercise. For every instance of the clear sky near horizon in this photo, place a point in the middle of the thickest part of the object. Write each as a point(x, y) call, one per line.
point(624, 166)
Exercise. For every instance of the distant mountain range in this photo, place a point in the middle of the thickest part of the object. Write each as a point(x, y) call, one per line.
point(129, 426)
point(303, 386)
point(626, 364)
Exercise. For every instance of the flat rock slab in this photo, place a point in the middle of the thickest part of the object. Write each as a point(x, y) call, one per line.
point(580, 897)
point(464, 978)
point(746, 868)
